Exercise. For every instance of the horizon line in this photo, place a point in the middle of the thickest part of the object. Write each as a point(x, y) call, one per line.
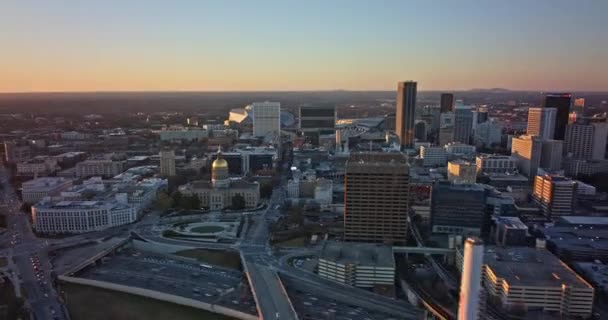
point(290, 91)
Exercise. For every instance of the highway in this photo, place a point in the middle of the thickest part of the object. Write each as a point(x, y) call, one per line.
point(271, 297)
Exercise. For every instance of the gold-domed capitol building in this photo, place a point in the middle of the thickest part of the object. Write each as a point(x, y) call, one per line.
point(217, 194)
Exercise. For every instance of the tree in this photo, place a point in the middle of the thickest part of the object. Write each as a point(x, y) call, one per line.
point(266, 190)
point(238, 202)
point(176, 181)
point(176, 196)
point(163, 202)
point(190, 202)
point(26, 207)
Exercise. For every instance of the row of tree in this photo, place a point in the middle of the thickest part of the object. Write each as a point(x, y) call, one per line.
point(179, 201)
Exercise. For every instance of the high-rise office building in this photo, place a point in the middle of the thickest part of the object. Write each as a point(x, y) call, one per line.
point(555, 195)
point(527, 151)
point(586, 140)
point(406, 107)
point(482, 114)
point(316, 120)
point(541, 122)
point(457, 208)
point(447, 102)
point(488, 133)
point(470, 282)
point(167, 163)
point(446, 128)
point(561, 102)
point(266, 118)
point(463, 124)
point(420, 130)
point(552, 154)
point(376, 187)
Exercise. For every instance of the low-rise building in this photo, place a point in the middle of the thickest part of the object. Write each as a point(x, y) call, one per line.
point(525, 278)
point(105, 165)
point(456, 148)
point(580, 167)
point(95, 205)
point(554, 194)
point(510, 231)
point(38, 166)
point(596, 273)
point(578, 238)
point(36, 189)
point(433, 156)
point(80, 216)
point(179, 133)
point(358, 264)
point(460, 171)
point(491, 163)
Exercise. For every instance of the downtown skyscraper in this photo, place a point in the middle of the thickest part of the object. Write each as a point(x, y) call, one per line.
point(447, 102)
point(541, 122)
point(376, 198)
point(406, 107)
point(561, 102)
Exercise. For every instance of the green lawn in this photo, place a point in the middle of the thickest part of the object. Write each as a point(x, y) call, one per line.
point(90, 303)
point(295, 242)
point(227, 259)
point(207, 229)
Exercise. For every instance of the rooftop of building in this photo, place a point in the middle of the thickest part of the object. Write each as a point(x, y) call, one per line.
point(524, 266)
point(138, 158)
point(80, 204)
point(511, 223)
point(70, 154)
point(583, 220)
point(506, 177)
point(377, 158)
point(460, 187)
point(371, 122)
point(104, 157)
point(596, 272)
point(260, 149)
point(559, 179)
point(461, 162)
point(494, 156)
point(365, 254)
point(576, 237)
point(43, 182)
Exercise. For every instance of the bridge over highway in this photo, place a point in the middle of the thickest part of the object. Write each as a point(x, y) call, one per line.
point(268, 291)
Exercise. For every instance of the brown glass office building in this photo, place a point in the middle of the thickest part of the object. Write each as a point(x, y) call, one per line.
point(405, 113)
point(447, 102)
point(376, 198)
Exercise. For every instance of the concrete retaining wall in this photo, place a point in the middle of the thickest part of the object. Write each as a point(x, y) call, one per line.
point(161, 296)
point(159, 247)
point(255, 297)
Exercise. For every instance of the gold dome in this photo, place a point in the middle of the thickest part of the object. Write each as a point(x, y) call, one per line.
point(219, 163)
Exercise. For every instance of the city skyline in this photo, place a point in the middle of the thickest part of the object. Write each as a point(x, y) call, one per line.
point(292, 46)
